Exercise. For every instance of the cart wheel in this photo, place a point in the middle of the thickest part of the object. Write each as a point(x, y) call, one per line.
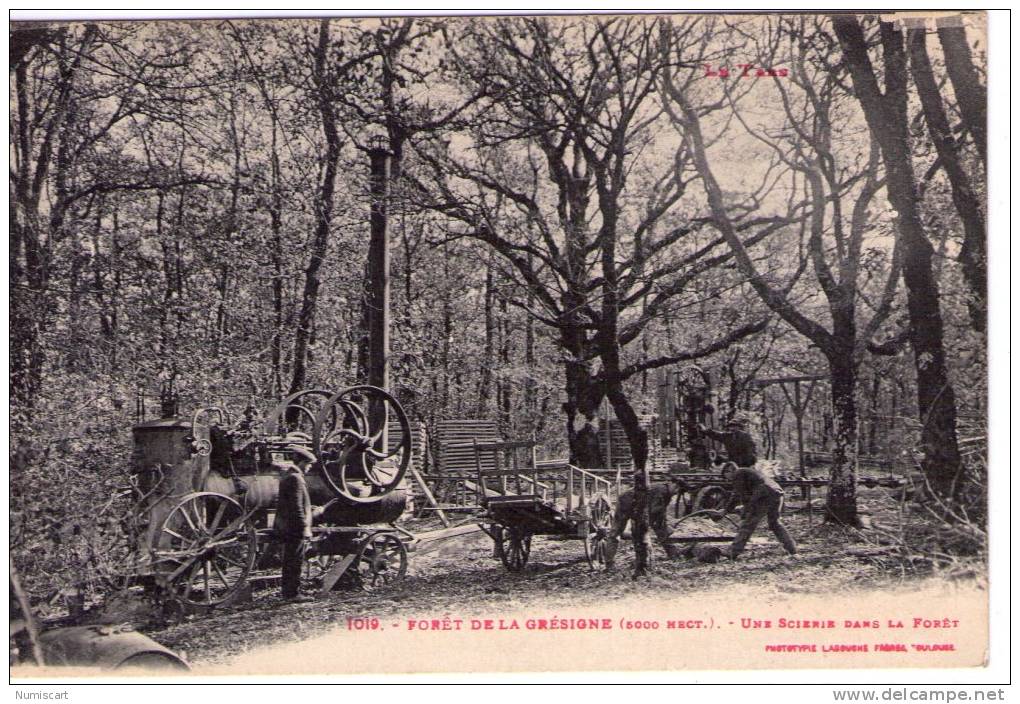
point(205, 549)
point(596, 534)
point(514, 548)
point(316, 566)
point(382, 561)
point(709, 498)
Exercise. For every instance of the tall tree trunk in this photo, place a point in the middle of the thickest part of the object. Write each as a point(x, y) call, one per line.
point(584, 396)
point(584, 392)
point(968, 207)
point(971, 95)
point(32, 235)
point(275, 208)
point(876, 389)
point(841, 504)
point(223, 289)
point(323, 215)
point(447, 333)
point(610, 183)
point(276, 227)
point(530, 400)
point(886, 115)
point(506, 380)
point(488, 354)
point(409, 266)
point(637, 438)
point(19, 597)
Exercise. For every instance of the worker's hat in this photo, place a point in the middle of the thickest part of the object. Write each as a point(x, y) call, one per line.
point(300, 453)
point(283, 467)
point(738, 421)
point(727, 468)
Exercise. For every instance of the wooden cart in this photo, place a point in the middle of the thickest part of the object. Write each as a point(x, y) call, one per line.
point(708, 492)
point(560, 502)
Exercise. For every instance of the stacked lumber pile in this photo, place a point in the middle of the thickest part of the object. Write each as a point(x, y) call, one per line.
point(453, 447)
point(419, 443)
point(617, 454)
point(452, 467)
point(419, 450)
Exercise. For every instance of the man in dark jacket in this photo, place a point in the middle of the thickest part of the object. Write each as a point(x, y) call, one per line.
point(293, 522)
point(740, 447)
point(761, 497)
point(659, 496)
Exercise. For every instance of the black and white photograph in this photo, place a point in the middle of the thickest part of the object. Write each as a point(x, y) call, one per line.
point(531, 343)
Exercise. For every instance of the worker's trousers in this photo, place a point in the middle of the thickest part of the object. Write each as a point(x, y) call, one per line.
point(293, 561)
point(770, 506)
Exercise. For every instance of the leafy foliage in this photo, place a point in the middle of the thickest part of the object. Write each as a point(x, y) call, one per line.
point(167, 184)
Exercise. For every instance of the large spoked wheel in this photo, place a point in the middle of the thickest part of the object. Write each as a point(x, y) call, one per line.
point(709, 498)
point(382, 561)
point(596, 535)
point(296, 413)
point(205, 549)
point(514, 547)
point(363, 441)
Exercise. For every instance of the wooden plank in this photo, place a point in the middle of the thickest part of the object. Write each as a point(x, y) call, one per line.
point(496, 446)
point(514, 500)
point(444, 534)
point(334, 574)
point(428, 495)
point(503, 473)
point(442, 477)
point(471, 486)
point(699, 539)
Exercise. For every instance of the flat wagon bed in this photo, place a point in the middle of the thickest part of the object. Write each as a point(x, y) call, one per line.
point(563, 502)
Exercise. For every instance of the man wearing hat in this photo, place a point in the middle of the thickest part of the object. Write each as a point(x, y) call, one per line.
point(740, 447)
point(293, 522)
point(761, 497)
point(759, 494)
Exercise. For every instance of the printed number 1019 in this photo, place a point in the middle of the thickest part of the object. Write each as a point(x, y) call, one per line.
point(362, 623)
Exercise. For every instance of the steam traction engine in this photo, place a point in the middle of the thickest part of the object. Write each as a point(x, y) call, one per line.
point(207, 491)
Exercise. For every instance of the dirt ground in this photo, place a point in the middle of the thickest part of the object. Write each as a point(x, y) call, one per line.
point(463, 577)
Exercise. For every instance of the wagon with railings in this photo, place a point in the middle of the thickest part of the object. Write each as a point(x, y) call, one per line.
point(521, 500)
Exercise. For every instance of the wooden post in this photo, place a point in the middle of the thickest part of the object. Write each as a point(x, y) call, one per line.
point(799, 415)
point(570, 488)
point(378, 286)
point(609, 435)
point(534, 468)
point(517, 470)
point(481, 478)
